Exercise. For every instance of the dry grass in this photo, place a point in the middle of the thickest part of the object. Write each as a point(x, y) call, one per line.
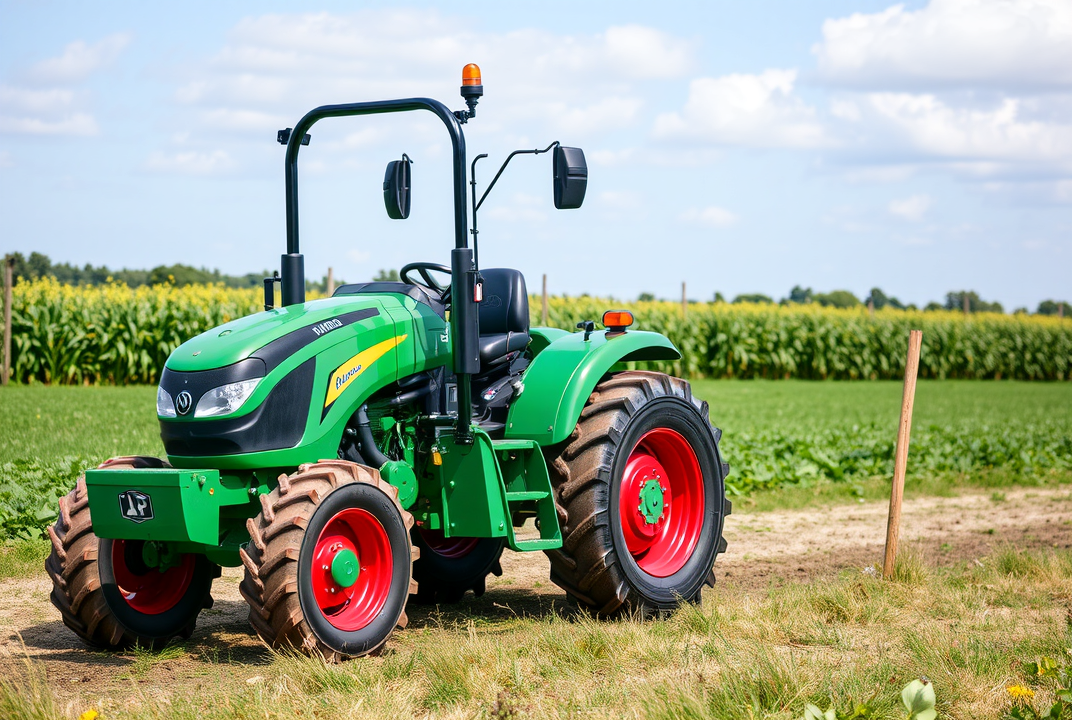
point(758, 654)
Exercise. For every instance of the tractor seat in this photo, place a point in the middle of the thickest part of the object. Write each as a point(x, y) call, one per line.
point(504, 315)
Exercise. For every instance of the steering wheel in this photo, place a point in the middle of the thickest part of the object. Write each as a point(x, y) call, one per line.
point(424, 269)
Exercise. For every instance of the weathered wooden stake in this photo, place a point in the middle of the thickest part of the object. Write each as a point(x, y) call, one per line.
point(900, 460)
point(684, 303)
point(967, 310)
point(331, 282)
point(543, 307)
point(9, 271)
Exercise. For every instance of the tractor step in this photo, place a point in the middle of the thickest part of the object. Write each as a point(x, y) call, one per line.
point(522, 496)
point(527, 487)
point(536, 544)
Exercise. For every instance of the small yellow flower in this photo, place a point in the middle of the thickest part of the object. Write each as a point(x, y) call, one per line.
point(1019, 692)
point(89, 715)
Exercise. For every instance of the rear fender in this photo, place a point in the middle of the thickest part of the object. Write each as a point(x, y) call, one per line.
point(563, 375)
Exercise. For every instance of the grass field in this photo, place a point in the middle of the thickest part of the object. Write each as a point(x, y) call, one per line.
point(831, 439)
point(968, 620)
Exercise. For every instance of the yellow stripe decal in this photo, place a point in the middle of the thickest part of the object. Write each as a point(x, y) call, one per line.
point(349, 370)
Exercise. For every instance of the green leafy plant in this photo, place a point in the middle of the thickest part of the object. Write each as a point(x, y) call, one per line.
point(1043, 671)
point(917, 697)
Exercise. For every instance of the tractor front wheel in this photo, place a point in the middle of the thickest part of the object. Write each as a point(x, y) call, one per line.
point(329, 563)
point(640, 490)
point(103, 589)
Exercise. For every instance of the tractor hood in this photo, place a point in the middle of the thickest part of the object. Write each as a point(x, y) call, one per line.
point(239, 339)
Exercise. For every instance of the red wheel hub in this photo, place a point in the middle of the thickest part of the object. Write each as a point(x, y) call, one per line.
point(661, 502)
point(352, 533)
point(448, 547)
point(146, 589)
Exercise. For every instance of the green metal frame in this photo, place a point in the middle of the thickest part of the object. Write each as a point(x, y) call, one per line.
point(564, 374)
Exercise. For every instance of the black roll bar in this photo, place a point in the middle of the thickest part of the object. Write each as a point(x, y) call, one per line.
point(293, 272)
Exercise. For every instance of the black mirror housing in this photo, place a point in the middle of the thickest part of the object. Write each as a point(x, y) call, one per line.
point(570, 177)
point(396, 188)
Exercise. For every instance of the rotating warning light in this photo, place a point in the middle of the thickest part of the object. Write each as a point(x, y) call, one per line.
point(471, 74)
point(616, 321)
point(472, 90)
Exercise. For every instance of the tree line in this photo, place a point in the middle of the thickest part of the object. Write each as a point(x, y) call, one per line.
point(959, 300)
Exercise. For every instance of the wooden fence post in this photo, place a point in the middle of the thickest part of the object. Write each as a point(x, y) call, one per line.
point(900, 460)
point(331, 282)
point(9, 271)
point(967, 310)
point(543, 307)
point(684, 303)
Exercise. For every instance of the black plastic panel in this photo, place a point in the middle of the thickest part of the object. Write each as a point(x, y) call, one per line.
point(277, 424)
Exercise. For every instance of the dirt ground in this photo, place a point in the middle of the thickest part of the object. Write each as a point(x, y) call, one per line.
point(765, 549)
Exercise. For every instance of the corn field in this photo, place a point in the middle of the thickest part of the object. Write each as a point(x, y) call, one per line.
point(722, 340)
point(117, 335)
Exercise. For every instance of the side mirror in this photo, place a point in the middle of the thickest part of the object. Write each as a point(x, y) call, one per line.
point(570, 177)
point(396, 188)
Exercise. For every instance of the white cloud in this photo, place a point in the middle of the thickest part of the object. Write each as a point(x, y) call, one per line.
point(966, 43)
point(643, 52)
point(57, 109)
point(243, 120)
point(75, 124)
point(521, 207)
point(711, 217)
point(78, 61)
point(910, 208)
point(541, 83)
point(619, 200)
point(985, 139)
point(191, 163)
point(750, 110)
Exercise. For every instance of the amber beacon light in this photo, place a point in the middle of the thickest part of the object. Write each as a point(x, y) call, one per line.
point(472, 89)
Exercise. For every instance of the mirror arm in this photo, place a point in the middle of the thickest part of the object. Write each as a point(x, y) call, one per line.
point(507, 162)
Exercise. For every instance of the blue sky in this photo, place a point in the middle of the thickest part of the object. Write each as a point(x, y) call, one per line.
point(741, 147)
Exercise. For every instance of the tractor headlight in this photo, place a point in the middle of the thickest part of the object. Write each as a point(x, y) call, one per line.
point(225, 399)
point(165, 406)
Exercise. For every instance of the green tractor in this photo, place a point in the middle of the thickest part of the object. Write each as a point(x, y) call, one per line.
point(381, 446)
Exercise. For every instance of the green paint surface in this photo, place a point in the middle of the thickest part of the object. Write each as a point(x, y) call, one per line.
point(562, 377)
point(651, 501)
point(344, 568)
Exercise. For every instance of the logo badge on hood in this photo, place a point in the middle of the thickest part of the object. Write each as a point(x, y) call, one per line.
point(183, 401)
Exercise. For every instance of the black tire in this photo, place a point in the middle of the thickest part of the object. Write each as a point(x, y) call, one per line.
point(278, 582)
point(445, 579)
point(83, 580)
point(594, 565)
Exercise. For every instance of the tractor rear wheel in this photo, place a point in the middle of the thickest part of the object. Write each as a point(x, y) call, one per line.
point(641, 496)
point(104, 591)
point(448, 567)
point(329, 563)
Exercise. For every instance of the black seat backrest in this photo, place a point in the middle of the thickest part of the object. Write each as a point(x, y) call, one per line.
point(505, 307)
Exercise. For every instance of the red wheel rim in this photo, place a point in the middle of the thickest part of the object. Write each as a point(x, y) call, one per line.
point(146, 589)
point(355, 531)
point(448, 547)
point(661, 502)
